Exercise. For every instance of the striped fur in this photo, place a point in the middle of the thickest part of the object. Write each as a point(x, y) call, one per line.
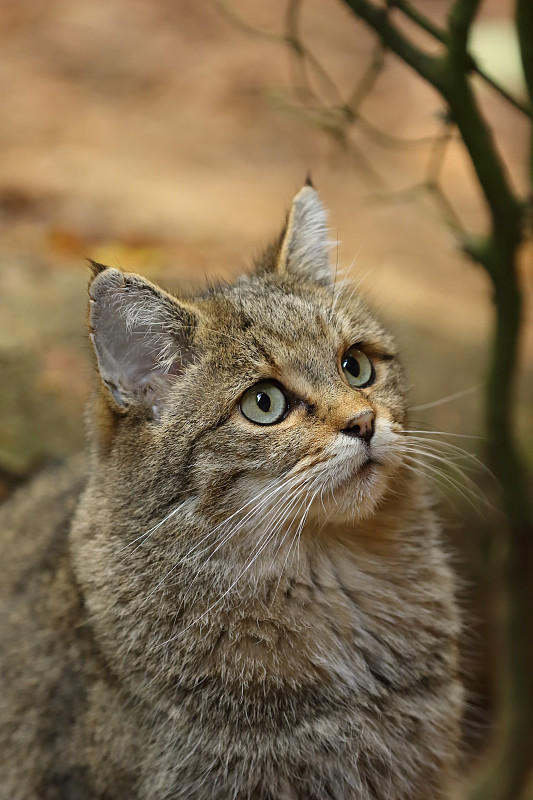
point(213, 609)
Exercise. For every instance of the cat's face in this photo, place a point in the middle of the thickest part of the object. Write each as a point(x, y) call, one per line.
point(288, 388)
point(279, 393)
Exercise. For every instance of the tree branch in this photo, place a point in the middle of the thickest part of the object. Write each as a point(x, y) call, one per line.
point(441, 35)
point(524, 26)
point(497, 252)
point(429, 67)
point(366, 83)
point(419, 19)
point(499, 89)
point(303, 54)
point(505, 209)
point(448, 76)
point(240, 22)
point(460, 21)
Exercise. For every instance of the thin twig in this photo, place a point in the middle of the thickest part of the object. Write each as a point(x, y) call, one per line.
point(438, 152)
point(449, 215)
point(502, 91)
point(441, 35)
point(524, 26)
point(300, 78)
point(241, 22)
point(376, 17)
point(387, 139)
point(366, 83)
point(304, 56)
point(420, 19)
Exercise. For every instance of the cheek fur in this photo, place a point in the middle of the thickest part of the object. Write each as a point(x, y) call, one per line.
point(239, 463)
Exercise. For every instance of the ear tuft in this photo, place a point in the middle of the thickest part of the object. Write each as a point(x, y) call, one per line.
point(304, 250)
point(142, 338)
point(309, 181)
point(95, 267)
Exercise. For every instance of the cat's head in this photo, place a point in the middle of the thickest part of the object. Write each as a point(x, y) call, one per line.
point(262, 394)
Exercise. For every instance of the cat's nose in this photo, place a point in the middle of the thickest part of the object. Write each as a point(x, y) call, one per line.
point(362, 426)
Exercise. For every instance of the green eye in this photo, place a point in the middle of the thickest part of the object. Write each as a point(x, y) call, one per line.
point(357, 367)
point(264, 403)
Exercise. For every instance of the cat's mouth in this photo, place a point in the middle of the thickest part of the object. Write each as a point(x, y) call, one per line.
point(353, 487)
point(361, 475)
point(367, 466)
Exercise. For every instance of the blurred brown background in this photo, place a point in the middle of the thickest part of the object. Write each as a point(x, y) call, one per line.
point(158, 136)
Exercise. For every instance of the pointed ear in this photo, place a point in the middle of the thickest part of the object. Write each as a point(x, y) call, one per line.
point(142, 338)
point(304, 250)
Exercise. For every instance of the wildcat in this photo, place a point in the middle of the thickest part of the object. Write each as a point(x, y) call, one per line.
point(242, 593)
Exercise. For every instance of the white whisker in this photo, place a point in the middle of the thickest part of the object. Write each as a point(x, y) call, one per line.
point(302, 503)
point(210, 533)
point(457, 452)
point(260, 546)
point(445, 433)
point(448, 399)
point(288, 494)
point(152, 530)
point(432, 471)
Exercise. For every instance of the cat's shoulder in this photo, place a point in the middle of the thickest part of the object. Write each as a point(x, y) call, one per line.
point(35, 521)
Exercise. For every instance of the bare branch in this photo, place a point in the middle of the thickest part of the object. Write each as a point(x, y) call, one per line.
point(448, 212)
point(441, 35)
point(386, 139)
point(366, 83)
point(514, 101)
point(304, 56)
point(420, 19)
point(438, 152)
point(460, 21)
point(524, 26)
point(377, 18)
point(448, 76)
point(240, 22)
point(505, 209)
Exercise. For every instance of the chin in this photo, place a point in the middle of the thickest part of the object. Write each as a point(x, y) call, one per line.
point(355, 497)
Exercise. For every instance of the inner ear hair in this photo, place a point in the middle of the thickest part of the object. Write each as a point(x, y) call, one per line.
point(95, 267)
point(143, 338)
point(304, 247)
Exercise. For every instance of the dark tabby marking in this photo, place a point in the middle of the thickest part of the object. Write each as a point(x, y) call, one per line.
point(232, 601)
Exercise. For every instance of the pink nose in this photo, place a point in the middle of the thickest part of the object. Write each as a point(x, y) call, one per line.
point(362, 426)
